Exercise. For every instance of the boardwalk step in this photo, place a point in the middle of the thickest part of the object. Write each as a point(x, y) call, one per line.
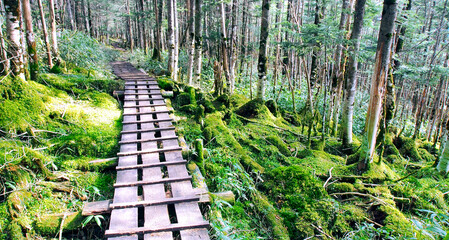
point(141, 100)
point(149, 165)
point(142, 84)
point(149, 121)
point(147, 93)
point(146, 105)
point(151, 182)
point(145, 230)
point(122, 154)
point(148, 140)
point(148, 130)
point(142, 113)
point(165, 201)
point(151, 88)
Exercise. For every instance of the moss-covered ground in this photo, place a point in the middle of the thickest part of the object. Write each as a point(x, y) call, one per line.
point(285, 190)
point(49, 131)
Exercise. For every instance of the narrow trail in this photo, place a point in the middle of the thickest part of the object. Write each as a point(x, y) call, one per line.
point(153, 197)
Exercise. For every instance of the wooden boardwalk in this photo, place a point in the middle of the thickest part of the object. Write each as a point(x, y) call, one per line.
point(153, 197)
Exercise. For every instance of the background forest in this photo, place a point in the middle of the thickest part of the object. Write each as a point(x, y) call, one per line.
point(326, 119)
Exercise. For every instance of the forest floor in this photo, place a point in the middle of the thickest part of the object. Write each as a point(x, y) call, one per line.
point(53, 129)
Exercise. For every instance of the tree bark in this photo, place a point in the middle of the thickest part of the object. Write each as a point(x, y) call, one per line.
point(15, 50)
point(198, 42)
point(172, 55)
point(224, 49)
point(158, 7)
point(4, 54)
point(262, 63)
point(54, 39)
point(130, 28)
point(379, 79)
point(31, 42)
point(351, 74)
point(45, 33)
point(191, 41)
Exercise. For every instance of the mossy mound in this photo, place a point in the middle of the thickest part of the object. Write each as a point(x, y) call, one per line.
point(254, 109)
point(216, 130)
point(276, 141)
point(408, 148)
point(50, 224)
point(320, 161)
point(166, 84)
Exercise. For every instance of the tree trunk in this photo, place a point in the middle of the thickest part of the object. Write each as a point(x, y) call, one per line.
point(198, 42)
point(351, 75)
point(158, 7)
point(191, 41)
point(31, 42)
point(224, 49)
point(4, 54)
point(15, 50)
point(45, 33)
point(262, 63)
point(319, 12)
point(233, 45)
point(130, 28)
point(172, 67)
point(378, 80)
point(54, 39)
point(338, 68)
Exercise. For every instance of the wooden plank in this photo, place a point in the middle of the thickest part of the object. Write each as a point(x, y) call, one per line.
point(149, 121)
point(150, 182)
point(95, 208)
point(150, 165)
point(163, 201)
point(141, 84)
point(147, 93)
point(145, 105)
point(149, 130)
point(167, 228)
point(156, 150)
point(146, 112)
point(148, 140)
point(140, 100)
point(126, 218)
point(147, 88)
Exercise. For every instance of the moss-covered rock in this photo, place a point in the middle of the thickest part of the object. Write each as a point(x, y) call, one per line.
point(166, 84)
point(408, 148)
point(394, 219)
point(341, 187)
point(252, 109)
point(216, 129)
point(183, 99)
point(272, 106)
point(276, 141)
point(189, 108)
point(50, 224)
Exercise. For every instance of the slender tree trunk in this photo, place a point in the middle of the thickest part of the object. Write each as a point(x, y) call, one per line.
point(31, 42)
point(319, 12)
point(191, 41)
point(172, 62)
point(130, 28)
point(233, 45)
point(338, 67)
point(224, 49)
point(4, 54)
point(379, 79)
point(198, 43)
point(15, 50)
point(262, 63)
point(176, 30)
point(45, 33)
point(70, 14)
point(158, 7)
point(351, 77)
point(54, 39)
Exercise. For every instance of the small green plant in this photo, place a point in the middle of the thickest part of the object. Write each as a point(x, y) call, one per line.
point(96, 218)
point(432, 225)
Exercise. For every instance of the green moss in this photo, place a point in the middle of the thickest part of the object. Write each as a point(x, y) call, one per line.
point(237, 100)
point(393, 219)
point(15, 231)
point(275, 220)
point(425, 155)
point(50, 224)
point(341, 187)
point(276, 141)
point(216, 129)
point(166, 84)
point(183, 99)
point(320, 161)
point(57, 69)
point(317, 144)
point(191, 91)
point(408, 148)
point(254, 109)
point(272, 106)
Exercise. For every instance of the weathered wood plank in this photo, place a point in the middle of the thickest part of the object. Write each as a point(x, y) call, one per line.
point(150, 165)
